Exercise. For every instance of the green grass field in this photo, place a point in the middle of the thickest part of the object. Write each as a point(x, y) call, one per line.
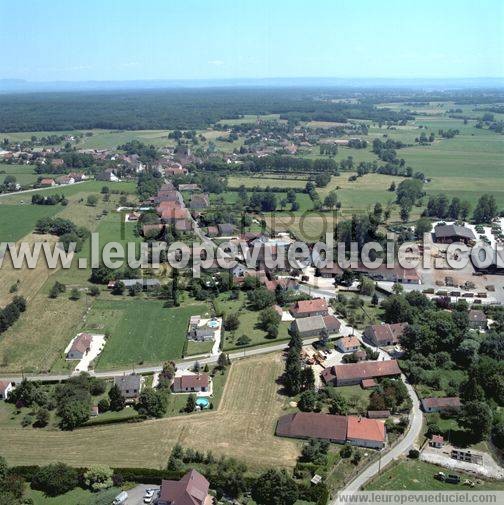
point(248, 324)
point(414, 475)
point(140, 331)
point(18, 220)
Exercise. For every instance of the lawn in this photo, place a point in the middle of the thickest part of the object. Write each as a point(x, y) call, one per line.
point(242, 427)
point(77, 496)
point(195, 348)
point(248, 324)
point(140, 331)
point(414, 475)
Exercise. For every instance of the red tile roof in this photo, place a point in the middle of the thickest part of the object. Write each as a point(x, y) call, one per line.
point(365, 429)
point(312, 425)
point(362, 370)
point(332, 324)
point(191, 489)
point(82, 343)
point(437, 439)
point(368, 383)
point(191, 381)
point(308, 306)
point(387, 332)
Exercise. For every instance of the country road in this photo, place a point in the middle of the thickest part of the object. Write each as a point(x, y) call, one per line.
point(3, 195)
point(408, 441)
point(181, 365)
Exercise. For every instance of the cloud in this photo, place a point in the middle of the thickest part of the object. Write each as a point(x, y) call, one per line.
point(216, 63)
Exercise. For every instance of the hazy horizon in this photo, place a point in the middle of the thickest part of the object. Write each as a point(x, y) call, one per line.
point(224, 39)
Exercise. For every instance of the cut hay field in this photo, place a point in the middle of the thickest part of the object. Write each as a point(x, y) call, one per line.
point(266, 180)
point(242, 427)
point(102, 139)
point(140, 331)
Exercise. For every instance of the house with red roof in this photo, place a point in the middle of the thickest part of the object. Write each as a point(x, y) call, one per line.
point(353, 373)
point(191, 489)
point(348, 344)
point(366, 432)
point(382, 335)
point(309, 308)
point(5, 388)
point(194, 383)
point(80, 346)
point(355, 430)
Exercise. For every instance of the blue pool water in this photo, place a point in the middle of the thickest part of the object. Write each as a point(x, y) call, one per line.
point(202, 402)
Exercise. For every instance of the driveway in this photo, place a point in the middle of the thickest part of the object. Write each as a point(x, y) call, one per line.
point(135, 495)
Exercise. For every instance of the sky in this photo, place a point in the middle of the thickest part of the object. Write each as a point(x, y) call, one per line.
point(70, 40)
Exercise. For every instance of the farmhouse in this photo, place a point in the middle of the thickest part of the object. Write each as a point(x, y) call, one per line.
point(147, 284)
point(309, 308)
point(477, 320)
point(313, 425)
point(191, 489)
point(365, 432)
point(338, 429)
point(309, 326)
point(348, 344)
point(80, 346)
point(191, 383)
point(449, 233)
point(354, 373)
point(384, 334)
point(47, 182)
point(129, 385)
point(447, 404)
point(5, 388)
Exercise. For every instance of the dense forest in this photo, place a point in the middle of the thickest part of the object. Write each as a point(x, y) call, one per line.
point(182, 109)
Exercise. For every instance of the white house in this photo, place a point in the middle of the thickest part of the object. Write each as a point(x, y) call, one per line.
point(5, 388)
point(348, 344)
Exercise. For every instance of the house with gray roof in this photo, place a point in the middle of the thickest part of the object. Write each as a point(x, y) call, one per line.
point(449, 233)
point(130, 385)
point(312, 326)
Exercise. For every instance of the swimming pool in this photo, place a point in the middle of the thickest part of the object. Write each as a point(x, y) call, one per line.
point(202, 402)
point(213, 324)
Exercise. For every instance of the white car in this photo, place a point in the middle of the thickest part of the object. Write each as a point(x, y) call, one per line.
point(149, 495)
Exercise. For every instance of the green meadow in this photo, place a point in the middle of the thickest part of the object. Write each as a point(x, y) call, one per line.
point(140, 331)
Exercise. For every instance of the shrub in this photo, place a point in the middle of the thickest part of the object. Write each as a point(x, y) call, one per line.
point(55, 479)
point(98, 477)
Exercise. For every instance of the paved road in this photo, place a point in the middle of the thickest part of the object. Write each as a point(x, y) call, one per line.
point(182, 365)
point(403, 446)
point(39, 189)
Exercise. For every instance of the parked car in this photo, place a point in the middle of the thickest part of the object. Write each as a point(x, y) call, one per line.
point(120, 498)
point(452, 479)
point(149, 495)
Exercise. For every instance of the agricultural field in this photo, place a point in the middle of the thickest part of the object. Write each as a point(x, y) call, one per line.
point(140, 331)
point(16, 221)
point(414, 475)
point(242, 427)
point(24, 174)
